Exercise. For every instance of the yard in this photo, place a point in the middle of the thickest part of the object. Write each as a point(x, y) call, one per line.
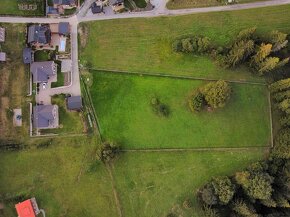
point(61, 176)
point(122, 103)
point(144, 45)
point(10, 7)
point(179, 4)
point(154, 184)
point(13, 85)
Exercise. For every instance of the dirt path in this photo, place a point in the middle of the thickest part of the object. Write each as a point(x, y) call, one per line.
point(118, 205)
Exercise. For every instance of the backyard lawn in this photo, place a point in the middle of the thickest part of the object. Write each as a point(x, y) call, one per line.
point(122, 103)
point(10, 7)
point(179, 4)
point(144, 45)
point(154, 184)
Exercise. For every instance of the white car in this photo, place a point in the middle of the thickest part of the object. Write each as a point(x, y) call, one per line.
point(44, 85)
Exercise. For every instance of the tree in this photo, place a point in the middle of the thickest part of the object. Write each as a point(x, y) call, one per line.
point(263, 51)
point(243, 209)
point(278, 39)
point(210, 212)
point(281, 95)
point(285, 106)
point(259, 186)
point(216, 93)
point(203, 45)
point(187, 45)
point(268, 65)
point(196, 101)
point(246, 34)
point(239, 52)
point(208, 195)
point(107, 151)
point(224, 189)
point(280, 85)
point(285, 121)
point(282, 144)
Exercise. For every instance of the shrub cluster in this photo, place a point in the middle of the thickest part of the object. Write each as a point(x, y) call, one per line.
point(107, 152)
point(213, 94)
point(196, 45)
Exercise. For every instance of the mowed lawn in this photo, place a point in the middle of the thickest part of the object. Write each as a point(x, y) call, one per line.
point(179, 4)
point(153, 184)
point(144, 44)
point(60, 178)
point(10, 7)
point(122, 103)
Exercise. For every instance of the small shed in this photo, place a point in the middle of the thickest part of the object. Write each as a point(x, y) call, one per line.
point(74, 103)
point(27, 55)
point(96, 9)
point(2, 57)
point(2, 34)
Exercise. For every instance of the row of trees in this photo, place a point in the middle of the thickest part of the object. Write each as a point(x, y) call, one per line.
point(214, 94)
point(261, 190)
point(258, 53)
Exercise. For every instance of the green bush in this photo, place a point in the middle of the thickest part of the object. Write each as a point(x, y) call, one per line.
point(196, 101)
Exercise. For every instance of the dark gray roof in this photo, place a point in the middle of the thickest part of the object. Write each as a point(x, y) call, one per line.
point(51, 10)
point(96, 8)
point(63, 2)
point(27, 55)
point(39, 33)
point(43, 116)
point(42, 71)
point(74, 102)
point(63, 28)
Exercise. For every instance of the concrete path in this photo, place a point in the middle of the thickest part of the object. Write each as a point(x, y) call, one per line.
point(83, 16)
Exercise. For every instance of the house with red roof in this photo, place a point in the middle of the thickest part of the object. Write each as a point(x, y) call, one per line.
point(27, 208)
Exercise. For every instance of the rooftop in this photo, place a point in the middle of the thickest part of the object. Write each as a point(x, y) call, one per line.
point(74, 103)
point(25, 209)
point(27, 55)
point(45, 116)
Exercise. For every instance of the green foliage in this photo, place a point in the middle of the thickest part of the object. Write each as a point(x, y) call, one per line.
point(217, 93)
point(280, 85)
point(198, 45)
point(278, 39)
point(285, 106)
point(243, 209)
point(210, 212)
point(259, 186)
point(107, 152)
point(224, 189)
point(208, 195)
point(264, 50)
point(239, 52)
point(159, 108)
point(268, 65)
point(282, 144)
point(196, 101)
point(279, 96)
point(285, 121)
point(246, 34)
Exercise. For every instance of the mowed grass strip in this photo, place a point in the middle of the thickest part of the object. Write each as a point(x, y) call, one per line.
point(179, 4)
point(153, 184)
point(60, 177)
point(144, 45)
point(123, 105)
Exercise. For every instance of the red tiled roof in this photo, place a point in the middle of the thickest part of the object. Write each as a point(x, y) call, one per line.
point(25, 209)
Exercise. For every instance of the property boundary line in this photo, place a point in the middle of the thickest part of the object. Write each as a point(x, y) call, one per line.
point(171, 76)
point(196, 149)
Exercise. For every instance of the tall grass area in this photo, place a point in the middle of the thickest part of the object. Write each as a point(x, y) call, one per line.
point(179, 4)
point(10, 7)
point(154, 184)
point(63, 177)
point(144, 44)
point(123, 105)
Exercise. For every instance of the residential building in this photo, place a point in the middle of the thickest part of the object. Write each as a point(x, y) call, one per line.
point(64, 28)
point(52, 12)
point(39, 35)
point(97, 8)
point(65, 4)
point(43, 71)
point(45, 116)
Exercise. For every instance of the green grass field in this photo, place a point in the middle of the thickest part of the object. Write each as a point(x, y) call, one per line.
point(153, 184)
point(144, 45)
point(61, 179)
point(122, 103)
point(10, 7)
point(179, 4)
